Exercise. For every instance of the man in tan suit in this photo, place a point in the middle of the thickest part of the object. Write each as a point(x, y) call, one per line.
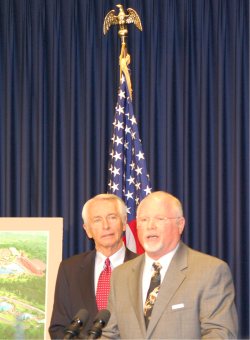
point(195, 298)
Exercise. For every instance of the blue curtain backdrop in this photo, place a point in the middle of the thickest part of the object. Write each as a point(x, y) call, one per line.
point(190, 75)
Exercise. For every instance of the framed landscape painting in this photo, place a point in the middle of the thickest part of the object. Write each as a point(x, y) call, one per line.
point(30, 254)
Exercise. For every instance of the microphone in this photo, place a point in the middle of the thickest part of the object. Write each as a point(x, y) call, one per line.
point(100, 321)
point(78, 321)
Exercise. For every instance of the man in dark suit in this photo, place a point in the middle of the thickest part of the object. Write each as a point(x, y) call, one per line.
point(171, 291)
point(105, 218)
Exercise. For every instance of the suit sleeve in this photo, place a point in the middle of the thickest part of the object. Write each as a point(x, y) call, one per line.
point(60, 314)
point(218, 316)
point(111, 331)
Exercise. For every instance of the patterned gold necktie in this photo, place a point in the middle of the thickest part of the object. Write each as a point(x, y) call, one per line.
point(152, 292)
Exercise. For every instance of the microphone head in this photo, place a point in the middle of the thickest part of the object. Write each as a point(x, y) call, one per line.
point(100, 321)
point(82, 315)
point(102, 317)
point(79, 321)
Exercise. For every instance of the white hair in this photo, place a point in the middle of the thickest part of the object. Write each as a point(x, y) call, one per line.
point(106, 197)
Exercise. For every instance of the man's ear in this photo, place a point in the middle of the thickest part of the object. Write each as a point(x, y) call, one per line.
point(125, 226)
point(88, 230)
point(181, 224)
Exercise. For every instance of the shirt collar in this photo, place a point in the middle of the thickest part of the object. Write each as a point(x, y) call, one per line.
point(116, 259)
point(164, 260)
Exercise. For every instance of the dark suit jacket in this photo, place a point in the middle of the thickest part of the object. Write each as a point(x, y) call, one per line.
point(195, 301)
point(74, 291)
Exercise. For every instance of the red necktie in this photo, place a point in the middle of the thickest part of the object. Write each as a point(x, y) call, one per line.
point(103, 286)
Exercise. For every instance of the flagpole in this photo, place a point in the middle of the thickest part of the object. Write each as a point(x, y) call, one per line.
point(122, 19)
point(128, 177)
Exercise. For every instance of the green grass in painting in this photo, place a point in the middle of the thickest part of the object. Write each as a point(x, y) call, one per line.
point(25, 292)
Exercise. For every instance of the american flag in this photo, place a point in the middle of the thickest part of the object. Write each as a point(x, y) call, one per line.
point(128, 176)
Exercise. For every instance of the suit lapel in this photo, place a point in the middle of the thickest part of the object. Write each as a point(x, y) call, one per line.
point(172, 281)
point(87, 281)
point(86, 278)
point(129, 255)
point(135, 282)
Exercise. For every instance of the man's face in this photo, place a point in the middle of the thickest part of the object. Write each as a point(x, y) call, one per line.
point(105, 226)
point(159, 226)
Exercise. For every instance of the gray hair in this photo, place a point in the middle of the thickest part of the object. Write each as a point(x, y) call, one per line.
point(106, 197)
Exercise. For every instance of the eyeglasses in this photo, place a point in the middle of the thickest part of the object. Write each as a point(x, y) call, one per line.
point(111, 219)
point(161, 221)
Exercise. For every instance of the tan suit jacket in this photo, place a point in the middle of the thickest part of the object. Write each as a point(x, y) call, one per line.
point(196, 300)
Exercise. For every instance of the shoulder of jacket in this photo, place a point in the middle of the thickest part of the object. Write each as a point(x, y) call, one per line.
point(78, 258)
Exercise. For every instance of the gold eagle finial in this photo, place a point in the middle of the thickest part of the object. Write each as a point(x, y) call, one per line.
point(121, 19)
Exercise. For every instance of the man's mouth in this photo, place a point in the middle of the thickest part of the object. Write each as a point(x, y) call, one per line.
point(152, 237)
point(107, 235)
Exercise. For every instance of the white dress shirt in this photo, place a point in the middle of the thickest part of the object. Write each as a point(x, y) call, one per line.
point(148, 270)
point(115, 260)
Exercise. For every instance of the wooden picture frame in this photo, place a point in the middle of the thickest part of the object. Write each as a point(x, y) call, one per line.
point(30, 254)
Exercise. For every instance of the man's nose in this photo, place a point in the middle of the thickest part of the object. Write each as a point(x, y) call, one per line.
point(151, 223)
point(105, 223)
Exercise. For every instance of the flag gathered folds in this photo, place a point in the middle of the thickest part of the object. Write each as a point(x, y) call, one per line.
point(128, 177)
